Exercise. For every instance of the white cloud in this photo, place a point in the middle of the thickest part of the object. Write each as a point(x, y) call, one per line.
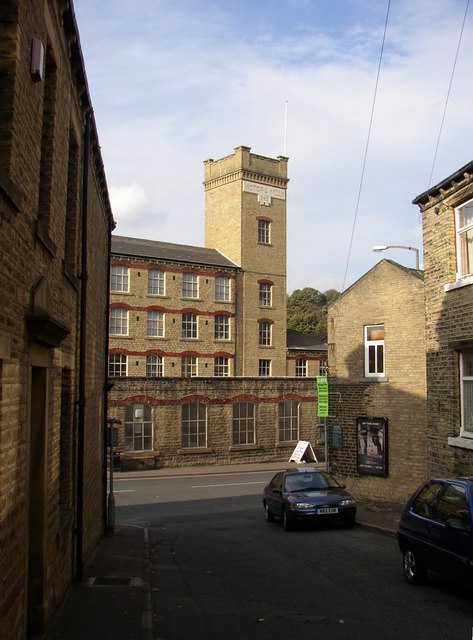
point(128, 201)
point(174, 84)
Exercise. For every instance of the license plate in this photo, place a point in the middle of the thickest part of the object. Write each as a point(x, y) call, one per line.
point(327, 510)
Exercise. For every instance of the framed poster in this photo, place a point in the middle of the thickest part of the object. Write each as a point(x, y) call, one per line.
point(372, 446)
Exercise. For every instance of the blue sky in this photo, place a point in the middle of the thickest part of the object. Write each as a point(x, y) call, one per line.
point(176, 83)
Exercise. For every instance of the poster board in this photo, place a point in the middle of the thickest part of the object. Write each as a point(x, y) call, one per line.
point(372, 446)
point(303, 452)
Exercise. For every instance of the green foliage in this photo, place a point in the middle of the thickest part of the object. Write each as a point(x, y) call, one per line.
point(307, 309)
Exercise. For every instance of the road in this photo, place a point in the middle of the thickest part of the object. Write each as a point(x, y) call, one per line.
point(219, 571)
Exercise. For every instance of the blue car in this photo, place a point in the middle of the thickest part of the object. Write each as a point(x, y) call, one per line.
point(304, 495)
point(436, 532)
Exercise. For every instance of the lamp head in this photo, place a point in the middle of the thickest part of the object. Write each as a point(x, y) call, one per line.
point(380, 247)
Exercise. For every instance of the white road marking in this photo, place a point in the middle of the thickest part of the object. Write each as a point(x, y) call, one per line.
point(226, 484)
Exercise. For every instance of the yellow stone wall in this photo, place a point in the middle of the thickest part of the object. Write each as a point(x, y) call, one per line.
point(231, 226)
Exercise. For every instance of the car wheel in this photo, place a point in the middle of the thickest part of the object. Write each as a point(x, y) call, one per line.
point(268, 515)
point(414, 571)
point(286, 521)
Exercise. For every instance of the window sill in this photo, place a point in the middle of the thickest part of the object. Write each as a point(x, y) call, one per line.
point(11, 192)
point(194, 450)
point(458, 284)
point(463, 443)
point(138, 453)
point(245, 447)
point(42, 235)
point(374, 379)
point(68, 271)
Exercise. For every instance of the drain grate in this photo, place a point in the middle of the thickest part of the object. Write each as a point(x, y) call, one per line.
point(114, 581)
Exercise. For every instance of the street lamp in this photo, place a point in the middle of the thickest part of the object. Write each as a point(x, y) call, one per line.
point(383, 247)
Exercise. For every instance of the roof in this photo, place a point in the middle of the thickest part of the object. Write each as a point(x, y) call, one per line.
point(416, 273)
point(306, 341)
point(459, 176)
point(168, 251)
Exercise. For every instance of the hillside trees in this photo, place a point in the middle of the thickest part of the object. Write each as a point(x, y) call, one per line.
point(307, 309)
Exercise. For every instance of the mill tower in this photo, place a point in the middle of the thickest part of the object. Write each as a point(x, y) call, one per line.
point(245, 219)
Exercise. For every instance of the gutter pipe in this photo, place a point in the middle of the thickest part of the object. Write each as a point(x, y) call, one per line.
point(82, 353)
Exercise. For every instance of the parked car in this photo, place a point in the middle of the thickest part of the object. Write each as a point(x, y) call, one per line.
point(435, 530)
point(307, 495)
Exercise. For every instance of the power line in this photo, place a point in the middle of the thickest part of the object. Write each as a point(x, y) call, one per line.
point(360, 188)
point(448, 95)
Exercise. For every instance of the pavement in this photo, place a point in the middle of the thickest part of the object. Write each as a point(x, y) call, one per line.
point(113, 600)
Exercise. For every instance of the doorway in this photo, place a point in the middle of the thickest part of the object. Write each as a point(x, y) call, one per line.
point(36, 498)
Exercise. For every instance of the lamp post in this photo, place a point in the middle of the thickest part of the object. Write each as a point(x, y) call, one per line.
point(383, 247)
point(112, 422)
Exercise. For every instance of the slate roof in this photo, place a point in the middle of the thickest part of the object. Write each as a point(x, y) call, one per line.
point(306, 341)
point(171, 252)
point(457, 177)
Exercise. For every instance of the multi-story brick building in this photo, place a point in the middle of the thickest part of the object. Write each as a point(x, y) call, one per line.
point(213, 321)
point(306, 354)
point(55, 225)
point(377, 383)
point(447, 217)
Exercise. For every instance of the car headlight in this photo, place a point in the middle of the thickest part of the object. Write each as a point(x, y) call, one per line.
point(302, 505)
point(346, 502)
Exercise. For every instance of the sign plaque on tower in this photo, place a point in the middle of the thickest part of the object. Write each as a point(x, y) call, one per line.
point(264, 192)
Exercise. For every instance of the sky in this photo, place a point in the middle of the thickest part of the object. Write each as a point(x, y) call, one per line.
point(371, 101)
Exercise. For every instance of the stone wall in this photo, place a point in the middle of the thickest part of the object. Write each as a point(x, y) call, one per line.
point(137, 344)
point(167, 396)
point(42, 130)
point(393, 296)
point(231, 226)
point(449, 324)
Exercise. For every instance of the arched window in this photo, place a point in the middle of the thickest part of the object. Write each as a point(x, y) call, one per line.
point(138, 428)
point(243, 425)
point(288, 420)
point(154, 366)
point(194, 425)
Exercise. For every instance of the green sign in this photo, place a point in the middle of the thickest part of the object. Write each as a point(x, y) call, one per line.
point(322, 396)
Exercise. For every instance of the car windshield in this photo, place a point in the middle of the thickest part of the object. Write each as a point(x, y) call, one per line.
point(309, 480)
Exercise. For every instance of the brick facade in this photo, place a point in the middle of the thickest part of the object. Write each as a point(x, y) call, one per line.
point(241, 190)
point(392, 296)
point(171, 346)
point(53, 280)
point(449, 323)
point(219, 397)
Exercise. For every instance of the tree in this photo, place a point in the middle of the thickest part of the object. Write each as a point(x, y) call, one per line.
point(307, 309)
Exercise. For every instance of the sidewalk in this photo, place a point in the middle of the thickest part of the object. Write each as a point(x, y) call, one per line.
point(113, 601)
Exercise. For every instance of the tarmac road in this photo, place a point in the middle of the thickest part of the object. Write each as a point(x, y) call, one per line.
point(218, 570)
point(181, 567)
